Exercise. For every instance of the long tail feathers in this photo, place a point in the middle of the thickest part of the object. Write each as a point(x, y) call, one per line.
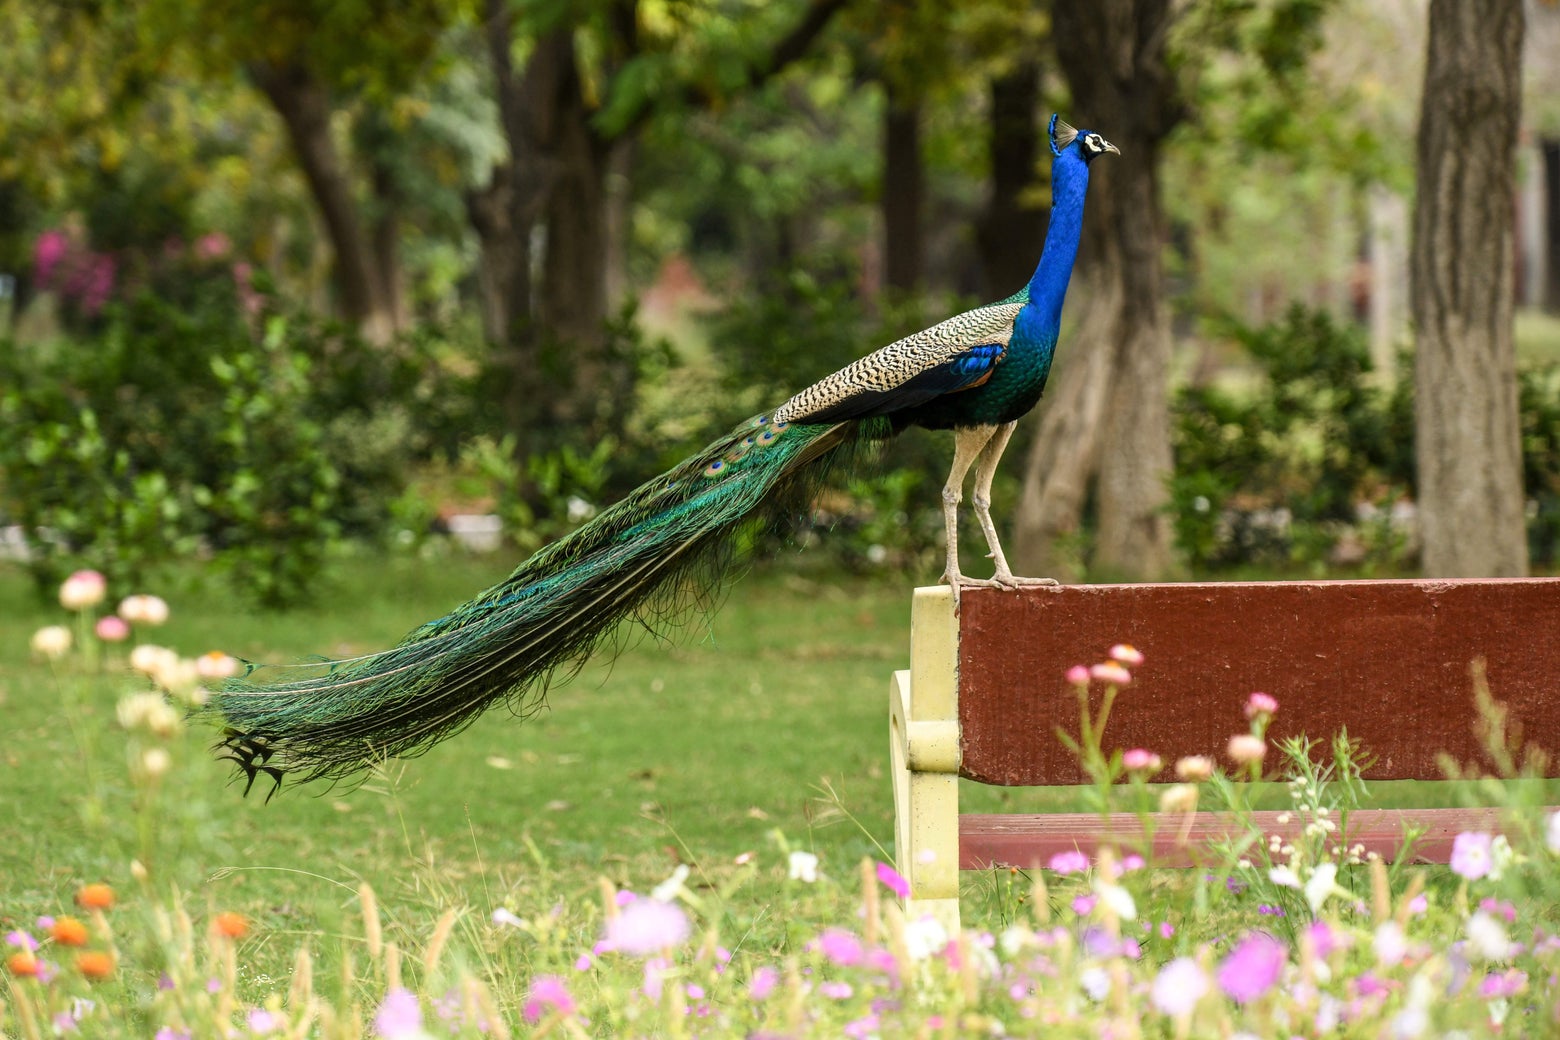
point(550, 614)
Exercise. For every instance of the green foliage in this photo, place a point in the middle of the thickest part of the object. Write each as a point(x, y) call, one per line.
point(178, 428)
point(1275, 474)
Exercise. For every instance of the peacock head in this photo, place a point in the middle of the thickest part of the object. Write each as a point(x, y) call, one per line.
point(1090, 144)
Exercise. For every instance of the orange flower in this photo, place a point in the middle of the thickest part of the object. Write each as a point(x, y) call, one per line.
point(231, 924)
point(95, 964)
point(95, 897)
point(68, 931)
point(23, 965)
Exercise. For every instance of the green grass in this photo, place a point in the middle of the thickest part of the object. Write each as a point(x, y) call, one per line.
point(768, 715)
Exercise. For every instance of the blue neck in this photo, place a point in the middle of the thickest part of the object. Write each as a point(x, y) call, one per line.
point(1042, 315)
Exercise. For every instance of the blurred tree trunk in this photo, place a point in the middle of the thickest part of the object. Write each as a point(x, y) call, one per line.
point(1462, 270)
point(551, 197)
point(304, 106)
point(1549, 180)
point(904, 191)
point(1122, 87)
point(1012, 228)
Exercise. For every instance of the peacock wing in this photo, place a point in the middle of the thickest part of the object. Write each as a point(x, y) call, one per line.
point(953, 355)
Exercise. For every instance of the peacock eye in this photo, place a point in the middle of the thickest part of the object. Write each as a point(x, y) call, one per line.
point(715, 468)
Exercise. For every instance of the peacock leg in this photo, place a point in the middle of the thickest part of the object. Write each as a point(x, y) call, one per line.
point(967, 445)
point(984, 472)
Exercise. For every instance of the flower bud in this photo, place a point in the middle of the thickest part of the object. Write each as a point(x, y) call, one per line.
point(1194, 768)
point(112, 629)
point(144, 610)
point(1245, 748)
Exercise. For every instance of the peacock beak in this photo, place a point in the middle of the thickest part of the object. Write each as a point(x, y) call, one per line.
point(1112, 148)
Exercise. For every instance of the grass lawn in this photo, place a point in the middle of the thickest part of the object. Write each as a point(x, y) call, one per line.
point(767, 716)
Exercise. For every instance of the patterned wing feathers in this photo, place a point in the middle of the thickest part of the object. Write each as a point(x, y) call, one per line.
point(952, 355)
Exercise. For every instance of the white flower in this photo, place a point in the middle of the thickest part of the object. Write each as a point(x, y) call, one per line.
point(505, 917)
point(803, 867)
point(1488, 936)
point(51, 642)
point(214, 664)
point(1118, 899)
point(667, 890)
point(82, 590)
point(1095, 981)
point(144, 610)
point(1552, 832)
point(1284, 876)
point(924, 938)
point(1014, 939)
point(1323, 884)
point(155, 762)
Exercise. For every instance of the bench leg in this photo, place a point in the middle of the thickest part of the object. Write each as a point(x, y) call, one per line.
point(926, 821)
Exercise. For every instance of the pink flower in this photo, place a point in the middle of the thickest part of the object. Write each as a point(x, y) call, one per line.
point(1246, 748)
point(1326, 940)
point(48, 251)
point(1472, 854)
point(894, 880)
point(112, 629)
point(547, 992)
point(1126, 654)
point(1111, 672)
point(212, 246)
point(647, 926)
point(400, 1016)
point(1252, 968)
point(1078, 675)
point(1260, 704)
point(763, 983)
point(1139, 760)
point(841, 947)
point(1179, 986)
point(1069, 862)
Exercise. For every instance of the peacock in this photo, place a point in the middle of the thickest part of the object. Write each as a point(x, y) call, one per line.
point(976, 374)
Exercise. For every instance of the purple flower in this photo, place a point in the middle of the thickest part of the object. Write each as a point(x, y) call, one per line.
point(1252, 968)
point(547, 992)
point(841, 947)
point(21, 939)
point(400, 1016)
point(894, 880)
point(1179, 986)
point(647, 926)
point(1070, 862)
point(1325, 941)
point(1083, 905)
point(763, 983)
point(1472, 854)
point(836, 990)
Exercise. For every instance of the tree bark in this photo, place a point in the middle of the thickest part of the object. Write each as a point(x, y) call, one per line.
point(304, 106)
point(1462, 271)
point(1122, 87)
point(904, 191)
point(1013, 225)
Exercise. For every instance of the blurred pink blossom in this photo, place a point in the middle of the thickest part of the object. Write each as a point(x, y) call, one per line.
point(1252, 968)
point(1472, 854)
point(647, 926)
point(548, 992)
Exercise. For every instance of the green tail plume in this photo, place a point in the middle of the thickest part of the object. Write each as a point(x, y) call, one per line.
point(506, 644)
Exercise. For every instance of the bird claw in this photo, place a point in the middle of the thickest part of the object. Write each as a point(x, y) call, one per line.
point(1003, 580)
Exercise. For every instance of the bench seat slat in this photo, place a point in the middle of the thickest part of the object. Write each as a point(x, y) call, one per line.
point(1026, 840)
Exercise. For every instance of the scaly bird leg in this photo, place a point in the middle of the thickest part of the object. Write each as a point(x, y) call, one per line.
point(984, 472)
point(967, 446)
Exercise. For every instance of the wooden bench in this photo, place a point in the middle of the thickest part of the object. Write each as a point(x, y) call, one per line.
point(1388, 660)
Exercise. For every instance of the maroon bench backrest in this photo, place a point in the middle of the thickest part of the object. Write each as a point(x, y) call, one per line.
point(1389, 660)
